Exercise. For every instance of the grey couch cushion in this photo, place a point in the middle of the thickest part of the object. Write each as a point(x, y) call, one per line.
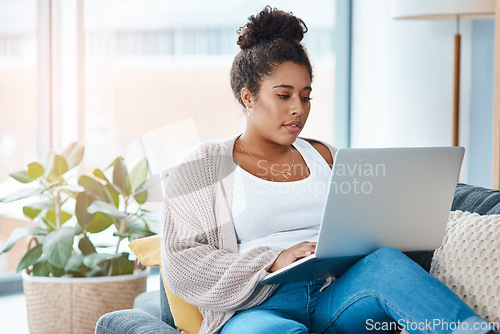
point(476, 199)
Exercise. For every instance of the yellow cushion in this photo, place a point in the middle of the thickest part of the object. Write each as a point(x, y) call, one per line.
point(147, 250)
point(187, 317)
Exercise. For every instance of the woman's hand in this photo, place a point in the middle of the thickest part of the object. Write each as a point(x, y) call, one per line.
point(293, 254)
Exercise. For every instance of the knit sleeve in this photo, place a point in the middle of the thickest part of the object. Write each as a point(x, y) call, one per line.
point(195, 264)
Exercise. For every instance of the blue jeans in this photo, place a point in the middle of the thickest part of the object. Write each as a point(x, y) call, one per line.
point(381, 291)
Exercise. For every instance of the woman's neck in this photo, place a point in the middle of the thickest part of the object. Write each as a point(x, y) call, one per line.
point(261, 147)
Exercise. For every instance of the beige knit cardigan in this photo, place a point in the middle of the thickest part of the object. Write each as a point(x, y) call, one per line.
point(200, 259)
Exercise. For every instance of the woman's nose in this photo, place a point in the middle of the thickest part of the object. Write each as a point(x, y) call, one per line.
point(297, 107)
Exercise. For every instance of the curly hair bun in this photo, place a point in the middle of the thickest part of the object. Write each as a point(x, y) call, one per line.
point(268, 25)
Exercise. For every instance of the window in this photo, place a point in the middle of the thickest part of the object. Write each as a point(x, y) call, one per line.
point(154, 63)
point(19, 116)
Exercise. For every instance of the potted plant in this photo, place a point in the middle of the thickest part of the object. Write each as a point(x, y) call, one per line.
point(65, 272)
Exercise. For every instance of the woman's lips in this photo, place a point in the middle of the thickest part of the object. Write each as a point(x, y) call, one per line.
point(292, 129)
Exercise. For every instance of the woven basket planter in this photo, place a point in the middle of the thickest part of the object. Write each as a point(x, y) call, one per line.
point(73, 305)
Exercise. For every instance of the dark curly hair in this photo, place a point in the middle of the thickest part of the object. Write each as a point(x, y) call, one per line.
point(269, 39)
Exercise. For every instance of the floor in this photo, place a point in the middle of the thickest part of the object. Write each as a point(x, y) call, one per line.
point(13, 315)
point(13, 310)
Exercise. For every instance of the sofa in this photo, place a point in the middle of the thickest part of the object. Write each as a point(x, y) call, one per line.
point(152, 314)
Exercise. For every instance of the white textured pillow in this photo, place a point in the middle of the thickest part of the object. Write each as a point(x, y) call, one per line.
point(468, 262)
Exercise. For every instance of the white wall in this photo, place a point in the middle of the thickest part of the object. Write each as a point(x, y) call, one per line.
point(402, 73)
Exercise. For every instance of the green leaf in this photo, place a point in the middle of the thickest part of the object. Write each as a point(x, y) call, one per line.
point(112, 189)
point(65, 216)
point(139, 174)
point(30, 212)
point(51, 217)
point(136, 230)
point(122, 266)
point(94, 188)
point(30, 258)
point(134, 235)
point(21, 176)
point(58, 246)
point(135, 226)
point(56, 166)
point(107, 209)
point(50, 226)
point(56, 271)
point(114, 195)
point(104, 246)
point(142, 234)
point(100, 175)
point(20, 233)
point(75, 263)
point(83, 201)
point(35, 170)
point(121, 177)
point(73, 154)
point(41, 268)
point(86, 246)
point(99, 223)
point(141, 197)
point(94, 272)
point(60, 165)
point(113, 163)
point(93, 260)
point(20, 194)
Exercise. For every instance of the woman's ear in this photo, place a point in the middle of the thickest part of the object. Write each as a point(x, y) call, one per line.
point(246, 97)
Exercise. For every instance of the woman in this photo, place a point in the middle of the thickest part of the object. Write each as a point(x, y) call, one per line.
point(242, 208)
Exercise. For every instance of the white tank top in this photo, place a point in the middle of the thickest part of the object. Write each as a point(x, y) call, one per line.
point(280, 214)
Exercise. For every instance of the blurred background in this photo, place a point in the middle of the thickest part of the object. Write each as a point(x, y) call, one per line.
point(106, 73)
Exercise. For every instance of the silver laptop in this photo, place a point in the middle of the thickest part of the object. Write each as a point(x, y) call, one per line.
point(380, 197)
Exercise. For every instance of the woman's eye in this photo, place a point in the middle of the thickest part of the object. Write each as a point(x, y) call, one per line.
point(286, 97)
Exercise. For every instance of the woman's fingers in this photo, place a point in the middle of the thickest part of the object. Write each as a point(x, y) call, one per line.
point(293, 254)
point(305, 249)
point(300, 251)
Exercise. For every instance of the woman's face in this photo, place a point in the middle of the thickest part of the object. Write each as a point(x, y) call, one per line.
point(280, 109)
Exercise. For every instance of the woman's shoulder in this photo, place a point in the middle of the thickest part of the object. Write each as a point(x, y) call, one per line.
point(204, 158)
point(213, 147)
point(326, 150)
point(207, 150)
